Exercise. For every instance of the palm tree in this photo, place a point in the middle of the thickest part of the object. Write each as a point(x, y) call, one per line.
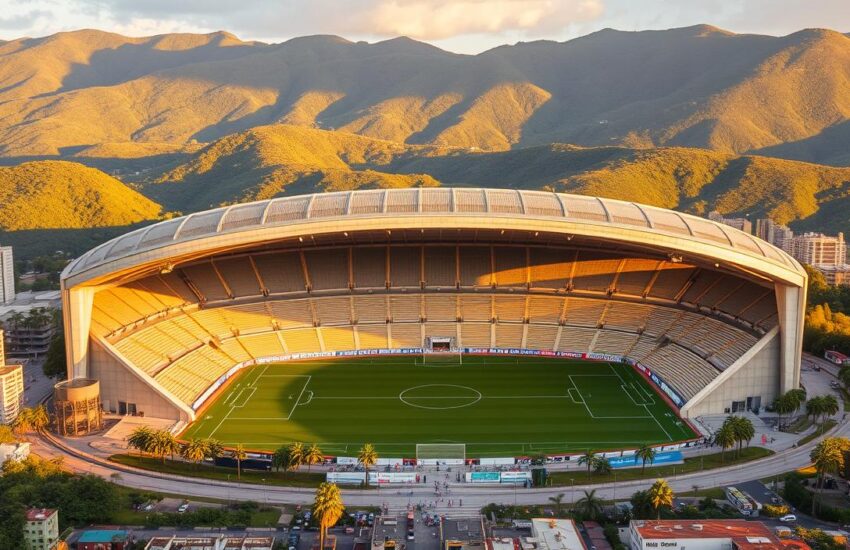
point(164, 443)
point(280, 458)
point(830, 408)
point(785, 404)
point(194, 450)
point(661, 495)
point(724, 437)
point(368, 457)
point(828, 457)
point(601, 465)
point(296, 455)
point(590, 506)
point(327, 508)
point(742, 430)
point(587, 460)
point(814, 407)
point(140, 439)
point(313, 455)
point(212, 448)
point(558, 501)
point(239, 455)
point(23, 422)
point(645, 454)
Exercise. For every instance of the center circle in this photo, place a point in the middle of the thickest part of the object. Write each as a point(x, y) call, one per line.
point(440, 396)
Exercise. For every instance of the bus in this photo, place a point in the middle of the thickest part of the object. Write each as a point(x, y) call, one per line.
point(836, 357)
point(739, 500)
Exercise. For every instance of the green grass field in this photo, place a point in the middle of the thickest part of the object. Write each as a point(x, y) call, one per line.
point(497, 406)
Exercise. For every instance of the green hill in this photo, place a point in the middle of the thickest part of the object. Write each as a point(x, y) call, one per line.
point(66, 195)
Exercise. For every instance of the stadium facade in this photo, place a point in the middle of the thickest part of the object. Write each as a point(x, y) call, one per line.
point(163, 316)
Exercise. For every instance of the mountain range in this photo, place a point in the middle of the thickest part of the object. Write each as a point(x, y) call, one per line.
point(128, 130)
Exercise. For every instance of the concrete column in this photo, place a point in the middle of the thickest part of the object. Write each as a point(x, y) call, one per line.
point(76, 313)
point(791, 307)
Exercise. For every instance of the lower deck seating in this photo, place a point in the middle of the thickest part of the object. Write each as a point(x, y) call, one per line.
point(188, 351)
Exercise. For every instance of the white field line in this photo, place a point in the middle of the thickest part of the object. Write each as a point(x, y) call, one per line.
point(584, 401)
point(295, 406)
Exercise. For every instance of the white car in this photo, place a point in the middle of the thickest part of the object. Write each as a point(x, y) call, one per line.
point(182, 509)
point(788, 518)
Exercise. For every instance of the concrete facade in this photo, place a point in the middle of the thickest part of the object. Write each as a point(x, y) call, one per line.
point(7, 275)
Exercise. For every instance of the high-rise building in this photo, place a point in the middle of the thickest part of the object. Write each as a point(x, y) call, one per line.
point(41, 530)
point(776, 234)
point(7, 275)
point(11, 392)
point(820, 249)
point(738, 223)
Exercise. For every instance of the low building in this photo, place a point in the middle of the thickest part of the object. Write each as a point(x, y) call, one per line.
point(211, 543)
point(554, 534)
point(41, 530)
point(11, 392)
point(103, 539)
point(818, 249)
point(462, 533)
point(14, 451)
point(742, 224)
point(838, 275)
point(734, 534)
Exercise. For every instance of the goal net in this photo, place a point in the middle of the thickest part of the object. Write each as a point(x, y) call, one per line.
point(440, 352)
point(440, 453)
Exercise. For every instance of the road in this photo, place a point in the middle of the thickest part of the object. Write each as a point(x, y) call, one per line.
point(473, 497)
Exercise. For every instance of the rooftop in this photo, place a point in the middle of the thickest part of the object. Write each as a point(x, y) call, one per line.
point(468, 529)
point(702, 529)
point(6, 369)
point(443, 206)
point(556, 534)
point(103, 535)
point(39, 514)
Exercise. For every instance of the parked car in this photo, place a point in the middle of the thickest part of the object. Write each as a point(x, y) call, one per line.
point(788, 518)
point(183, 508)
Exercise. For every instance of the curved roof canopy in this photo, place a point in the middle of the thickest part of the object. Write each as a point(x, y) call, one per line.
point(236, 226)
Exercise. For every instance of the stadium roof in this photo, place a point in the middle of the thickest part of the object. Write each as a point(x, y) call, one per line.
point(232, 227)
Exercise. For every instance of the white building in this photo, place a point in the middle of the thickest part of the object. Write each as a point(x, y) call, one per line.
point(776, 234)
point(7, 275)
point(14, 451)
point(41, 531)
point(556, 534)
point(820, 249)
point(11, 392)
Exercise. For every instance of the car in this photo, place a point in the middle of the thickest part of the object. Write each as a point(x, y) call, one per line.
point(148, 507)
point(182, 508)
point(788, 518)
point(410, 535)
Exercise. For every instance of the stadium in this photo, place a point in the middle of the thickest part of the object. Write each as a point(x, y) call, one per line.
point(504, 322)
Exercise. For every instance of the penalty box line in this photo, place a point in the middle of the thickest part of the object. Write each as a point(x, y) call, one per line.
point(291, 411)
point(587, 407)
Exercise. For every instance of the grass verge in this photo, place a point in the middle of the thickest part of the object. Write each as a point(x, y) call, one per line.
point(694, 464)
point(290, 479)
point(822, 429)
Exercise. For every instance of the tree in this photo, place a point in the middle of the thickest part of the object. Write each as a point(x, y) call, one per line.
point(313, 455)
point(725, 437)
point(31, 419)
point(587, 460)
point(661, 496)
point(212, 448)
point(6, 434)
point(641, 505)
point(742, 430)
point(327, 508)
point(368, 457)
point(296, 455)
point(785, 404)
point(140, 439)
point(815, 407)
point(645, 454)
point(239, 454)
point(828, 457)
point(194, 450)
point(558, 501)
point(55, 365)
point(830, 407)
point(590, 506)
point(163, 443)
point(280, 458)
point(601, 465)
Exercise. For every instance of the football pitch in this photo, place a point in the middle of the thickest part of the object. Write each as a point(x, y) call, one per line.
point(496, 406)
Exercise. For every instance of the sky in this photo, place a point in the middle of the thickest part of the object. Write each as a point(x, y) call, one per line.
point(463, 26)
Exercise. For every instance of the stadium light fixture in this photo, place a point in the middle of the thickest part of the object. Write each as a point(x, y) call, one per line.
point(166, 269)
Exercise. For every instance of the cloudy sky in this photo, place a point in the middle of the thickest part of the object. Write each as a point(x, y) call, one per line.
point(467, 26)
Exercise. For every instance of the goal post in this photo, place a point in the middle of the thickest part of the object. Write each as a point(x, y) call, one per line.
point(438, 351)
point(441, 453)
